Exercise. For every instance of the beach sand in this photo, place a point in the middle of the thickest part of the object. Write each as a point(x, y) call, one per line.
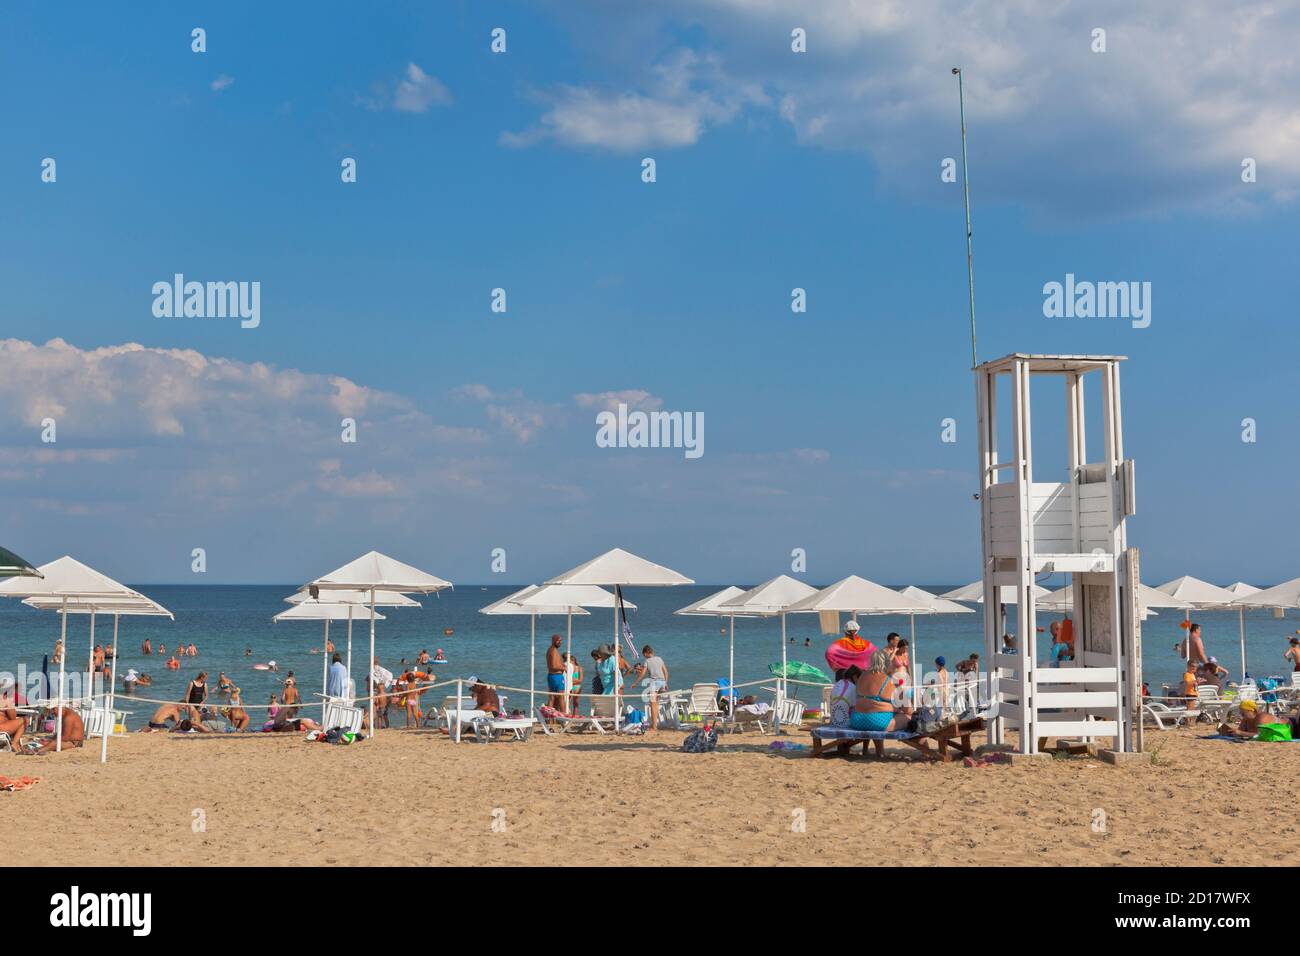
point(414, 797)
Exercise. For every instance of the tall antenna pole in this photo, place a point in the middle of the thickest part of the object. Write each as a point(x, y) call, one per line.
point(965, 172)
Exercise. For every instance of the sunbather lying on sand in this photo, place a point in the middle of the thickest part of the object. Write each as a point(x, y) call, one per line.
point(74, 733)
point(1251, 719)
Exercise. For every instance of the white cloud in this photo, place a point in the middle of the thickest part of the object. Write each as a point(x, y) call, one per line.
point(414, 92)
point(634, 398)
point(1161, 120)
point(221, 82)
point(688, 95)
point(522, 417)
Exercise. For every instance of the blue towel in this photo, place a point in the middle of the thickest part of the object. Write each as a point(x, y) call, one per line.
point(848, 733)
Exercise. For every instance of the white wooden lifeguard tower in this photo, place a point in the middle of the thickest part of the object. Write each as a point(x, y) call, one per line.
point(1075, 526)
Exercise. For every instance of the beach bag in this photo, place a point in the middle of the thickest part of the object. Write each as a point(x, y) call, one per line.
point(1275, 732)
point(635, 716)
point(701, 741)
point(842, 703)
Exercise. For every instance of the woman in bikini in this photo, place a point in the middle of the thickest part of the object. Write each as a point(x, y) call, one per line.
point(235, 713)
point(874, 709)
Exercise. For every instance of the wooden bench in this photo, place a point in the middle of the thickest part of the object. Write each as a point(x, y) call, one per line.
point(949, 738)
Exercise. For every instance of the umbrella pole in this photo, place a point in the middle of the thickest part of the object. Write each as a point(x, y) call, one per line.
point(568, 670)
point(731, 667)
point(618, 672)
point(90, 661)
point(912, 660)
point(780, 685)
point(325, 664)
point(108, 699)
point(532, 662)
point(63, 640)
point(347, 691)
point(371, 670)
point(1241, 620)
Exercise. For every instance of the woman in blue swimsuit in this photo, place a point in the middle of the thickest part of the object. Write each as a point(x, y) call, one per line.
point(875, 708)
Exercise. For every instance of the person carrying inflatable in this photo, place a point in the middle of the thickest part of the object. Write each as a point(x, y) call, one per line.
point(850, 650)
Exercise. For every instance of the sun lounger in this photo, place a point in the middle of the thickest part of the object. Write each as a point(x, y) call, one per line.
point(1162, 714)
point(948, 738)
point(704, 701)
point(517, 728)
point(346, 718)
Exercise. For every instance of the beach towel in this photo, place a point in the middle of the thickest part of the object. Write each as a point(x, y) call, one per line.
point(22, 783)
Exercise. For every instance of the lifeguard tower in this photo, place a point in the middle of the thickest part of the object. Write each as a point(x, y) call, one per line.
point(1076, 526)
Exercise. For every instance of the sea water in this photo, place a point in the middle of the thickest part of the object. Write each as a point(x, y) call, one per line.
point(225, 621)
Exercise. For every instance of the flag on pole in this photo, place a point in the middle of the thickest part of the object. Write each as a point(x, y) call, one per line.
point(627, 628)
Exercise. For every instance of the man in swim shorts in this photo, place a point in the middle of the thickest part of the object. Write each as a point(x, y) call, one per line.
point(74, 733)
point(555, 673)
point(165, 713)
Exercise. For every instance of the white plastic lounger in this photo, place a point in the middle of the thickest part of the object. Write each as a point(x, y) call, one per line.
point(1161, 714)
point(348, 719)
point(704, 701)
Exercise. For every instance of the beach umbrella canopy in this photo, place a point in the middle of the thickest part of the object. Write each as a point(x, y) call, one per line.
point(382, 598)
point(711, 606)
point(858, 594)
point(937, 604)
point(798, 670)
point(378, 573)
point(973, 593)
point(13, 566)
point(325, 611)
point(1286, 594)
point(1197, 593)
point(618, 569)
point(1241, 589)
point(621, 568)
point(569, 595)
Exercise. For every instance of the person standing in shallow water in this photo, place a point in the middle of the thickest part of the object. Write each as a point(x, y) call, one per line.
point(555, 673)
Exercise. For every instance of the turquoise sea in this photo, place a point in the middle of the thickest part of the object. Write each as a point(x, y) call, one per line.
point(222, 621)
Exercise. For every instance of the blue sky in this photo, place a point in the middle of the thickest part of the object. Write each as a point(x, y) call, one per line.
point(775, 170)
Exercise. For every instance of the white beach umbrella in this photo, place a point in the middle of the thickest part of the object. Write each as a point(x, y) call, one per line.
point(773, 597)
point(316, 609)
point(63, 579)
point(378, 573)
point(1062, 599)
point(1284, 595)
point(514, 604)
point(1241, 589)
point(715, 606)
point(357, 599)
point(618, 569)
point(116, 605)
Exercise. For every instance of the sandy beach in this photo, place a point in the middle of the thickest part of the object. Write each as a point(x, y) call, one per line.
point(414, 798)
